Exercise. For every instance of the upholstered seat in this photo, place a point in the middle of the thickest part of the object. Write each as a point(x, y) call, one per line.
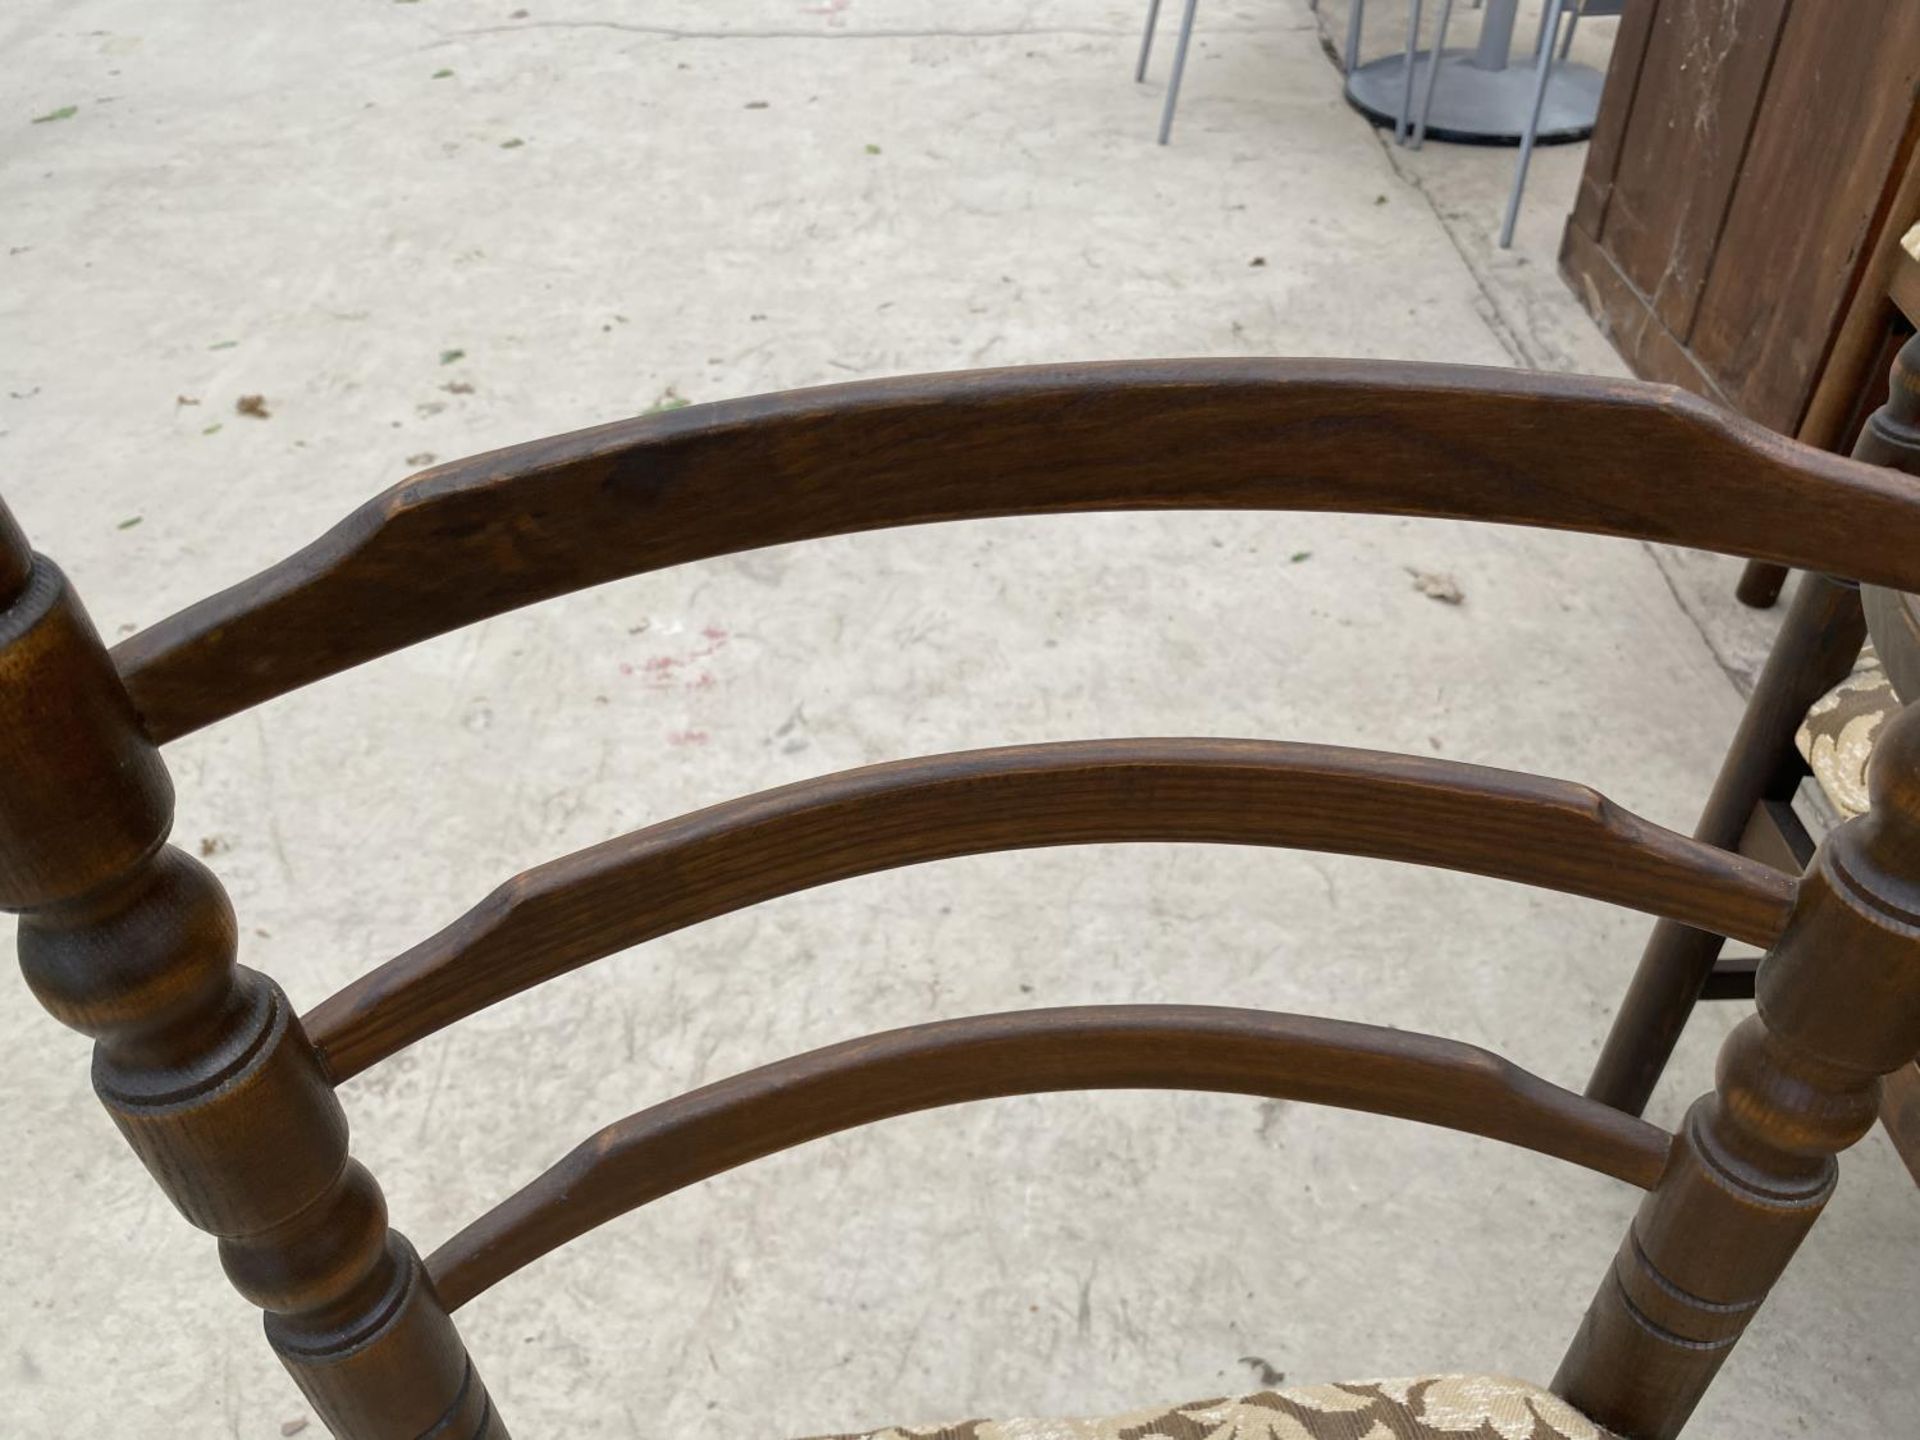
point(1838, 735)
point(1428, 1407)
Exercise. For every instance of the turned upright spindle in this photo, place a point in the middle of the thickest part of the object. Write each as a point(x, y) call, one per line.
point(201, 1063)
point(1752, 1167)
point(1818, 643)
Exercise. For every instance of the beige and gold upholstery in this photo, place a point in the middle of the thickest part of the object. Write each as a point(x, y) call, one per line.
point(1428, 1407)
point(1838, 734)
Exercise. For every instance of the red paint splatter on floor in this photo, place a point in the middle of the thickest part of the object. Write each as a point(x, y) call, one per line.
point(663, 671)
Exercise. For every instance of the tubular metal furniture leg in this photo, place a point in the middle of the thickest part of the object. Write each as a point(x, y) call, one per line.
point(1548, 33)
point(1433, 74)
point(1543, 71)
point(1179, 68)
point(1406, 93)
point(1146, 41)
point(1353, 33)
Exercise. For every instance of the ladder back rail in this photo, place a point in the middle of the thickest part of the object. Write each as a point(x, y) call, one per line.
point(580, 908)
point(1099, 1047)
point(481, 536)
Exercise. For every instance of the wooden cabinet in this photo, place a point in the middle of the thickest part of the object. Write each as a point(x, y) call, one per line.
point(1752, 169)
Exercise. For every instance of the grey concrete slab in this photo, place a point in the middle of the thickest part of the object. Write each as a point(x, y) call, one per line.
point(293, 202)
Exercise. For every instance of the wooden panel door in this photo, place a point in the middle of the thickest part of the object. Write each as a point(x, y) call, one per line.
point(1745, 162)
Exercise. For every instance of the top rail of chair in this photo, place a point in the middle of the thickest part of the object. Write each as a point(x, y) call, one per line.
point(481, 536)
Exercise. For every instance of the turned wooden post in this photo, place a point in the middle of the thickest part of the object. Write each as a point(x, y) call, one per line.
point(202, 1063)
point(1839, 1006)
point(1818, 643)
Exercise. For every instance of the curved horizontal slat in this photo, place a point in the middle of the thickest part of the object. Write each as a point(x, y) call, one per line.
point(1248, 792)
point(484, 535)
point(1100, 1047)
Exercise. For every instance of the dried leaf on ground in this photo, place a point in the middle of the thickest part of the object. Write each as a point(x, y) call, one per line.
point(1443, 588)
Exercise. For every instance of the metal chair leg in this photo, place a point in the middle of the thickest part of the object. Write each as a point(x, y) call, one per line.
point(1548, 34)
point(1353, 33)
point(1542, 73)
point(1179, 68)
point(1406, 90)
point(1566, 43)
point(1146, 41)
point(1433, 74)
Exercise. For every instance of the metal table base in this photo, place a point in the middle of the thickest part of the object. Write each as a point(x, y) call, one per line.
point(1475, 106)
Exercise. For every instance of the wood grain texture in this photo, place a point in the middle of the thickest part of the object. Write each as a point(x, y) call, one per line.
point(485, 535)
point(1893, 620)
point(1871, 330)
point(1818, 642)
point(1102, 1047)
point(1249, 792)
point(1903, 267)
point(1815, 648)
point(1748, 161)
point(77, 814)
point(1892, 437)
point(200, 1063)
point(1833, 134)
point(1755, 1162)
point(1900, 1113)
point(1627, 318)
point(1709, 61)
point(1626, 72)
point(16, 557)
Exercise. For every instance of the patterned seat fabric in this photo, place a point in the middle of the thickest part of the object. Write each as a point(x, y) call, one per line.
point(1428, 1407)
point(1838, 735)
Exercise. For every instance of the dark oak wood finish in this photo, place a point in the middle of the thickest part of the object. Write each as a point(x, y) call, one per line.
point(1097, 1047)
point(1691, 82)
point(1835, 131)
point(1679, 242)
point(481, 536)
point(1748, 158)
point(1900, 1113)
point(1817, 645)
point(1839, 1007)
point(1854, 382)
point(1892, 438)
point(1247, 792)
point(1893, 620)
point(201, 1063)
point(223, 1094)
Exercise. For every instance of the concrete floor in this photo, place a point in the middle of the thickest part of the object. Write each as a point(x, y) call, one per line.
point(605, 206)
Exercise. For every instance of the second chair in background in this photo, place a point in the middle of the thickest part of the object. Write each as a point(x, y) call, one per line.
point(1352, 56)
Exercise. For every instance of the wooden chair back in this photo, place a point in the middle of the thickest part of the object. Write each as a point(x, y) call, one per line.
point(228, 1097)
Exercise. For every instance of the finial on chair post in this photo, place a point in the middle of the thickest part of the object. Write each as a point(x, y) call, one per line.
point(201, 1063)
point(1892, 433)
point(16, 557)
point(1844, 981)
